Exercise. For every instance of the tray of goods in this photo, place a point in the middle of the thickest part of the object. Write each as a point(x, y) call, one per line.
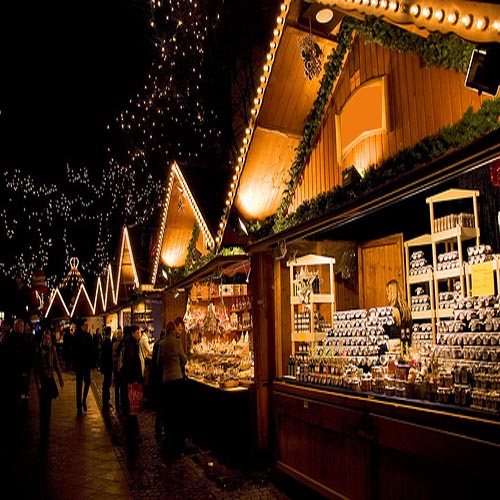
point(228, 384)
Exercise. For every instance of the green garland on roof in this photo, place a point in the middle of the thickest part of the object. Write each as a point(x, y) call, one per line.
point(448, 51)
point(194, 260)
point(471, 127)
point(192, 254)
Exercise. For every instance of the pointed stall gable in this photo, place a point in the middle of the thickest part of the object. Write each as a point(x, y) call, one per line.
point(82, 305)
point(127, 278)
point(110, 292)
point(283, 101)
point(99, 298)
point(180, 215)
point(57, 308)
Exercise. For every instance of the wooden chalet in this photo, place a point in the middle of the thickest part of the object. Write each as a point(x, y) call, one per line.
point(383, 101)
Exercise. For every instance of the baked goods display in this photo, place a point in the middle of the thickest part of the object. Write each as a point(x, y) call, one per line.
point(223, 364)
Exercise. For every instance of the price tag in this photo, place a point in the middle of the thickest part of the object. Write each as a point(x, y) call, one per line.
point(482, 279)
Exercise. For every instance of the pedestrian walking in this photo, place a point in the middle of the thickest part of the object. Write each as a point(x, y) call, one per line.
point(117, 350)
point(131, 375)
point(46, 363)
point(173, 359)
point(106, 367)
point(82, 362)
point(155, 383)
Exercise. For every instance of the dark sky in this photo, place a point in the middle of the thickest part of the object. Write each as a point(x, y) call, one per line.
point(67, 69)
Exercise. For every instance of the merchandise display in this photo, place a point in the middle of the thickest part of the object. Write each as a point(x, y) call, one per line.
point(225, 364)
point(219, 326)
point(454, 355)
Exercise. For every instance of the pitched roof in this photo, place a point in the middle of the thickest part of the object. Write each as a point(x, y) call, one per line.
point(285, 98)
point(179, 215)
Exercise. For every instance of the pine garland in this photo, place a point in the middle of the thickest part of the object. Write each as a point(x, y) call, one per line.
point(447, 51)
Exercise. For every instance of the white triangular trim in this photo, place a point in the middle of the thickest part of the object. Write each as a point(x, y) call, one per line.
point(81, 290)
point(176, 173)
point(56, 293)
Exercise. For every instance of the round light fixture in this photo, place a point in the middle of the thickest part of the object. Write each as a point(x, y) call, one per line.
point(324, 16)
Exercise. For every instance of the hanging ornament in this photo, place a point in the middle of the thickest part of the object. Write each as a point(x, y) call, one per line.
point(311, 55)
point(304, 284)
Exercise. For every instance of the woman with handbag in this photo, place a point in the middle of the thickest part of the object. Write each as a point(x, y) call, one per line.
point(46, 363)
point(131, 376)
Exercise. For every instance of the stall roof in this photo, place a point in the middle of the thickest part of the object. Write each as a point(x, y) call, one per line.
point(283, 100)
point(288, 97)
point(180, 213)
point(227, 265)
point(473, 156)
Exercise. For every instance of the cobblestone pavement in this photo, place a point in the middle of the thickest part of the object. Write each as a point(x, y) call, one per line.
point(87, 458)
point(197, 474)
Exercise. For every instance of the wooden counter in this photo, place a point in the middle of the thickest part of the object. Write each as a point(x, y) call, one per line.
point(222, 419)
point(348, 446)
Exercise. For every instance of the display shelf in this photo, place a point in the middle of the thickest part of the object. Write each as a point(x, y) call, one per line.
point(420, 278)
point(445, 313)
point(448, 274)
point(423, 280)
point(458, 232)
point(448, 236)
point(316, 298)
point(312, 298)
point(419, 315)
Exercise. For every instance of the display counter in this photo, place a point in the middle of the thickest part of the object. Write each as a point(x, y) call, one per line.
point(347, 445)
point(221, 418)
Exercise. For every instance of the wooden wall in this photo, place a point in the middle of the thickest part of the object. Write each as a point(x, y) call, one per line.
point(420, 101)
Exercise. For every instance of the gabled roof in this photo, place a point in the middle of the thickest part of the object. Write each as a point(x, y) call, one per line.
point(82, 305)
point(112, 289)
point(99, 304)
point(67, 298)
point(179, 215)
point(127, 277)
point(286, 97)
point(57, 307)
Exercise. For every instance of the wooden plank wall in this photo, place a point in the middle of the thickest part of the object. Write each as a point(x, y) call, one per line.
point(420, 101)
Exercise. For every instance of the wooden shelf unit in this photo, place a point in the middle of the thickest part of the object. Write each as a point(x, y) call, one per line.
point(425, 280)
point(320, 302)
point(449, 239)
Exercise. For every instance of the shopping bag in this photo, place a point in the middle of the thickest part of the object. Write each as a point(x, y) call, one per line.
point(53, 390)
point(135, 397)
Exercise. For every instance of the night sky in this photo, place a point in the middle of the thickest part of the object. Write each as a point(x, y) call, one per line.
point(67, 70)
point(97, 98)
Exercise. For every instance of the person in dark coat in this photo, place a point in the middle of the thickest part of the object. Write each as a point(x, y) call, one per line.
point(45, 366)
point(173, 359)
point(131, 372)
point(82, 363)
point(68, 348)
point(106, 367)
point(155, 382)
point(117, 350)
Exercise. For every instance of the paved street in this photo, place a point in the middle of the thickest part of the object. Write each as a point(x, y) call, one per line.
point(87, 458)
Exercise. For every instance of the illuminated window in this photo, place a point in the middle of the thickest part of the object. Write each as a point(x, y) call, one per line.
point(363, 115)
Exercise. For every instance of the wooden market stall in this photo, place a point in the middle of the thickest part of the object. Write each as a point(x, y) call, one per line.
point(353, 414)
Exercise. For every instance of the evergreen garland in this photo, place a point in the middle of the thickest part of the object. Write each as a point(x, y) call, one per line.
point(447, 51)
point(194, 260)
point(471, 127)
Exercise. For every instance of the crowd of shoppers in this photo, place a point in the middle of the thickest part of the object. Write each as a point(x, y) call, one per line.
point(126, 359)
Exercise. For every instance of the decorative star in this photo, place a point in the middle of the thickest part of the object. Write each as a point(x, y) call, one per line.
point(303, 281)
